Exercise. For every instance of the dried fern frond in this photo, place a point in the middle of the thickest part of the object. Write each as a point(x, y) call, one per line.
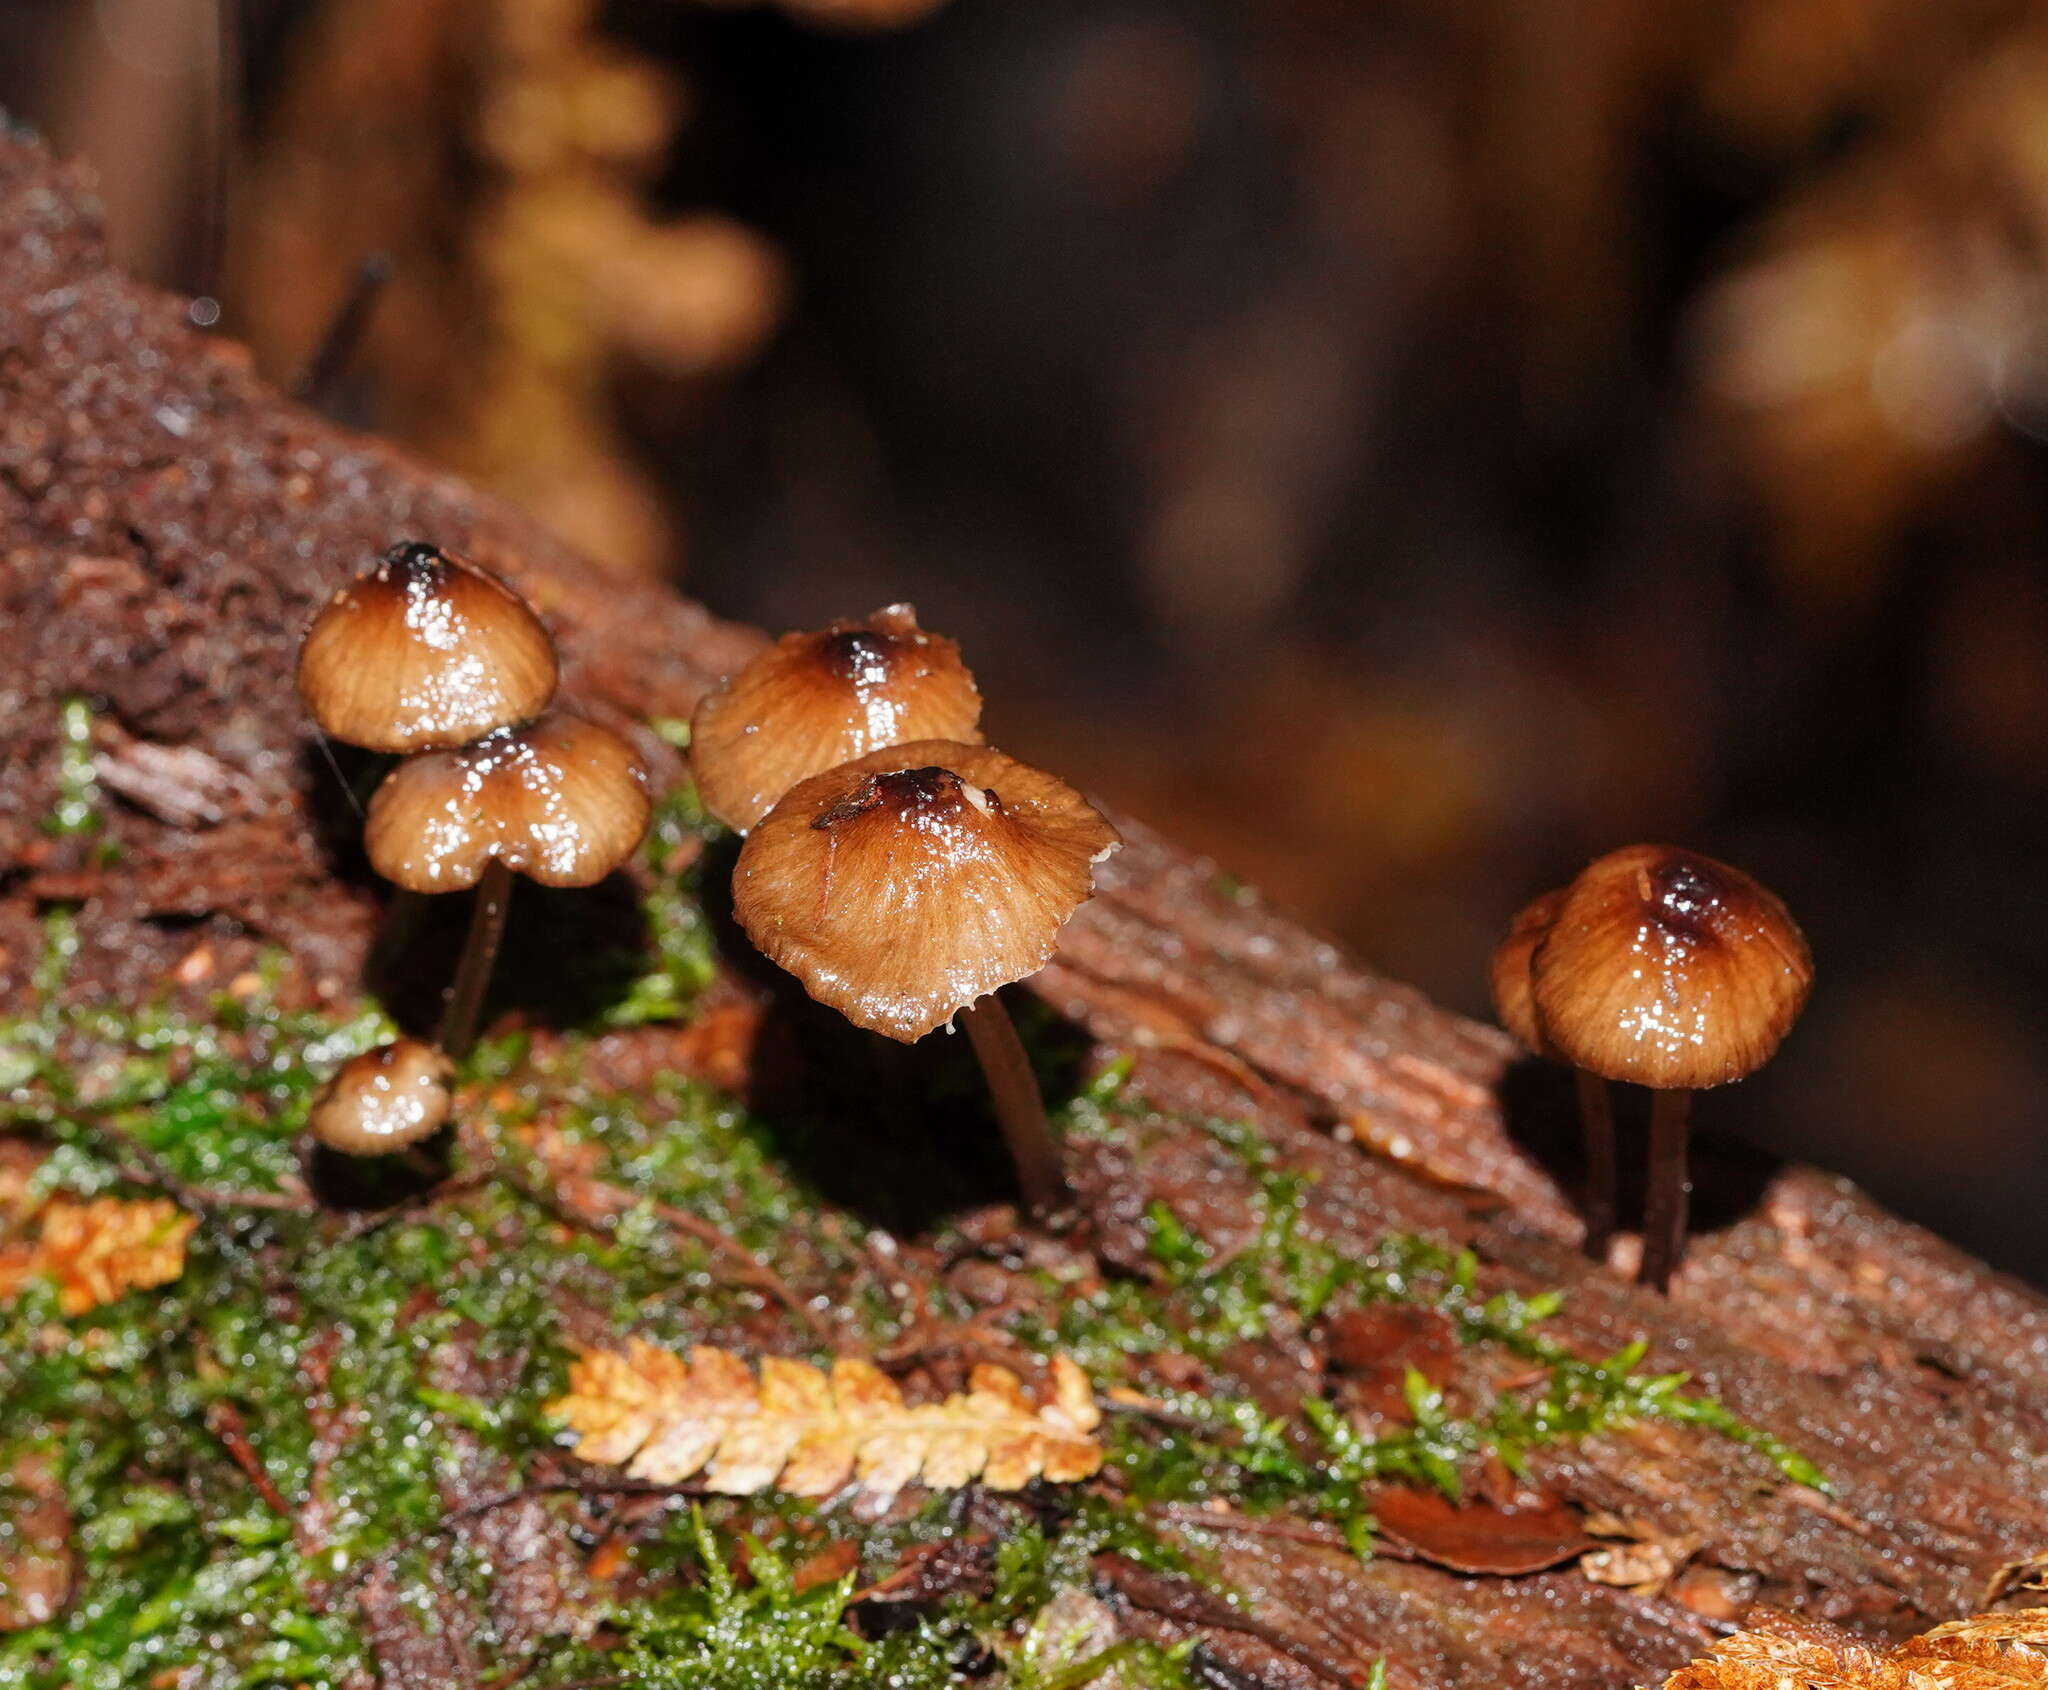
point(1983, 1652)
point(99, 1250)
point(808, 1433)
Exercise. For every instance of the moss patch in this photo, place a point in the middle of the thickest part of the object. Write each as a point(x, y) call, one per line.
point(373, 1362)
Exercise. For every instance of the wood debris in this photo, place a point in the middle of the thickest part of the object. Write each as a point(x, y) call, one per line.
point(808, 1433)
point(99, 1250)
point(1783, 1652)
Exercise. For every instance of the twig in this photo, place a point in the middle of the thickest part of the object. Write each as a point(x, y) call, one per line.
point(454, 1186)
point(1247, 1525)
point(225, 1422)
point(137, 1164)
point(217, 1197)
point(971, 1340)
point(752, 1270)
point(1197, 1518)
point(1146, 1409)
point(350, 1581)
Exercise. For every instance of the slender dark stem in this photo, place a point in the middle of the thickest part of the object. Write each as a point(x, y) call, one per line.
point(318, 382)
point(1019, 1107)
point(1664, 1216)
point(479, 952)
point(1596, 1118)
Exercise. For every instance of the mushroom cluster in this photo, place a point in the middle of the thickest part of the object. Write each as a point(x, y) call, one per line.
point(427, 657)
point(1665, 969)
point(899, 868)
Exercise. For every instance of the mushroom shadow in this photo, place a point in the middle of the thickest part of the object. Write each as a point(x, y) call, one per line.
point(900, 1135)
point(569, 954)
point(1539, 1106)
point(904, 1135)
point(362, 1184)
point(338, 782)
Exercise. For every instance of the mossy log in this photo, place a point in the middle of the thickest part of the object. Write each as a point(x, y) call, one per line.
point(167, 524)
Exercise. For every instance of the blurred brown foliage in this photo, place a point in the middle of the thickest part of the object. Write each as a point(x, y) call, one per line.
point(500, 156)
point(1403, 449)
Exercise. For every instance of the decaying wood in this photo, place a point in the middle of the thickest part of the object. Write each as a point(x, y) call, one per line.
point(167, 524)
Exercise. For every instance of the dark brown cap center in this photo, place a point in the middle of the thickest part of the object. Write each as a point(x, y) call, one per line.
point(1689, 903)
point(911, 796)
point(413, 555)
point(414, 568)
point(858, 656)
point(422, 576)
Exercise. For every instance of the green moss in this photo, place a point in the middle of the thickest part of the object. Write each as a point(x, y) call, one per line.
point(370, 1363)
point(1279, 1286)
point(712, 1635)
point(680, 939)
point(76, 812)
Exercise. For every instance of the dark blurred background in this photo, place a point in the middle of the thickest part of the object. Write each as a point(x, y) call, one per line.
point(1402, 449)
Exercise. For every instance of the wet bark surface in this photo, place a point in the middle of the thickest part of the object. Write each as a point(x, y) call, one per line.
point(167, 526)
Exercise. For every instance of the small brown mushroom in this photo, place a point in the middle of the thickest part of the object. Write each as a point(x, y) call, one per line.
point(384, 1099)
point(560, 800)
point(904, 888)
point(1672, 971)
point(813, 701)
point(423, 652)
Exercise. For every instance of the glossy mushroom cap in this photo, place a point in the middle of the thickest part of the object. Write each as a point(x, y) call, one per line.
point(559, 800)
point(384, 1099)
point(1511, 971)
point(906, 884)
point(811, 702)
point(424, 652)
point(1670, 970)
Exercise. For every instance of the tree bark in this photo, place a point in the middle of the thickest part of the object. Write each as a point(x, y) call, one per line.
point(167, 526)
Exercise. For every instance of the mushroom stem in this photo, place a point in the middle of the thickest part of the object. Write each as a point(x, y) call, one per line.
point(1664, 1216)
point(479, 953)
point(1596, 1118)
point(1019, 1106)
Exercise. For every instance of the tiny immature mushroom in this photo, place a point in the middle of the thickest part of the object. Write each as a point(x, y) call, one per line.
point(905, 887)
point(1672, 971)
point(813, 701)
point(423, 652)
point(384, 1099)
point(1512, 979)
point(560, 800)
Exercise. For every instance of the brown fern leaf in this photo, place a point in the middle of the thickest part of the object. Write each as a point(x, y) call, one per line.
point(808, 1433)
point(1783, 1652)
point(99, 1250)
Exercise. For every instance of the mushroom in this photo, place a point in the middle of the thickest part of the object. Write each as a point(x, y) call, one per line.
point(423, 652)
point(813, 701)
point(384, 1100)
point(1675, 972)
point(1514, 1002)
point(905, 887)
point(560, 800)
